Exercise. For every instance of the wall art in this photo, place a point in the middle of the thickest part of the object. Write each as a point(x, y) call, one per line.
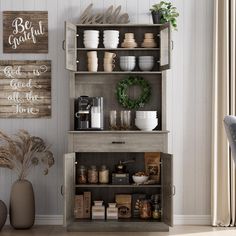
point(25, 32)
point(25, 89)
point(110, 16)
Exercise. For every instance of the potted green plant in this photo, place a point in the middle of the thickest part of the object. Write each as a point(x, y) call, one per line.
point(164, 12)
point(21, 153)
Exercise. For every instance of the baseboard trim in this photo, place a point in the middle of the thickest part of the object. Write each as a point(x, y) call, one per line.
point(45, 220)
point(192, 220)
point(178, 220)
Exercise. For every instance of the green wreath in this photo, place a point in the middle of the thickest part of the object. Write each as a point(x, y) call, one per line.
point(125, 84)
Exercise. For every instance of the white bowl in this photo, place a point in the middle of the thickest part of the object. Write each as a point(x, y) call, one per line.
point(146, 124)
point(111, 32)
point(127, 66)
point(140, 179)
point(146, 58)
point(91, 32)
point(146, 66)
point(110, 45)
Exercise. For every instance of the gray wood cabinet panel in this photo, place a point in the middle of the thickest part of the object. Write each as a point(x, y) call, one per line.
point(131, 142)
point(69, 187)
point(70, 46)
point(118, 226)
point(167, 188)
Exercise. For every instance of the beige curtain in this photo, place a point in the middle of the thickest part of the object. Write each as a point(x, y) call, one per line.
point(223, 168)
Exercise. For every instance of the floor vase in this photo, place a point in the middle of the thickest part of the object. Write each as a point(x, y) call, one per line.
point(22, 205)
point(3, 214)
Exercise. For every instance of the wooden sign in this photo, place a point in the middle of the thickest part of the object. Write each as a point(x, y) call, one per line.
point(25, 89)
point(109, 16)
point(25, 32)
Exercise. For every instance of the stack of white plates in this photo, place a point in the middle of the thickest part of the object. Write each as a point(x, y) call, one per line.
point(146, 63)
point(146, 120)
point(111, 38)
point(127, 63)
point(91, 38)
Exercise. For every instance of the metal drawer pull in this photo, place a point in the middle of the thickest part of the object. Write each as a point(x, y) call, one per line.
point(118, 142)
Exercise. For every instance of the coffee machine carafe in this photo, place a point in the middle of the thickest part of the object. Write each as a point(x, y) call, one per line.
point(89, 113)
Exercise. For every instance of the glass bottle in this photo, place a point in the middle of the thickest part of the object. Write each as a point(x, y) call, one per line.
point(81, 175)
point(103, 175)
point(145, 209)
point(93, 175)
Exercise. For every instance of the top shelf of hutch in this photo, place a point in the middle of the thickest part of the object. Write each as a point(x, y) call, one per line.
point(117, 25)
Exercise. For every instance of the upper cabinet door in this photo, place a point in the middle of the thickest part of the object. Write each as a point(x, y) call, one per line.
point(167, 186)
point(69, 187)
point(71, 46)
point(165, 47)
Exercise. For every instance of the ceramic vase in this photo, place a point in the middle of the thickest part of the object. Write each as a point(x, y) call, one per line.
point(22, 205)
point(3, 214)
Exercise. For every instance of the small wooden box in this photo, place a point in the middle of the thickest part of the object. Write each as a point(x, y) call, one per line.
point(87, 205)
point(79, 207)
point(120, 178)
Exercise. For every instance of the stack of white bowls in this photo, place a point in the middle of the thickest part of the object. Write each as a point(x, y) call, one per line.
point(111, 38)
point(91, 38)
point(146, 120)
point(92, 61)
point(127, 63)
point(146, 63)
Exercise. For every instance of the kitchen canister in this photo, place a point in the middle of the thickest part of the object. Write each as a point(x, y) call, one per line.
point(93, 175)
point(103, 175)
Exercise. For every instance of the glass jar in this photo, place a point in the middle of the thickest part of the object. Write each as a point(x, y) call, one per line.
point(156, 209)
point(81, 175)
point(145, 209)
point(93, 175)
point(103, 175)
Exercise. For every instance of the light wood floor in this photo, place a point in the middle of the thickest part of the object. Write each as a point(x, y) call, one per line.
point(177, 230)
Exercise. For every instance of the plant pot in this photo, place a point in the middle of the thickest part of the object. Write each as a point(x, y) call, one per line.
point(3, 214)
point(156, 17)
point(22, 205)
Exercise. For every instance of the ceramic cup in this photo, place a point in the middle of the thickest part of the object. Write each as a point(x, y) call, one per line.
point(109, 67)
point(93, 67)
point(92, 54)
point(108, 60)
point(109, 55)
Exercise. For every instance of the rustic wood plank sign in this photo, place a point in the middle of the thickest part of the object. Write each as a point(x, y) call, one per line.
point(110, 16)
point(25, 89)
point(25, 32)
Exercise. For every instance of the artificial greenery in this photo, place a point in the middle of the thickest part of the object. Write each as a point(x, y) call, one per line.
point(122, 92)
point(168, 13)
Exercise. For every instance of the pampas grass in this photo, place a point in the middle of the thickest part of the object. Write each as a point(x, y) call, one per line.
point(21, 152)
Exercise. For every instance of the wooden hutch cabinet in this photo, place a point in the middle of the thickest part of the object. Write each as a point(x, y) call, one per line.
point(109, 146)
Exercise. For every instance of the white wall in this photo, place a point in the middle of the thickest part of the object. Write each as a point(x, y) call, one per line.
point(189, 100)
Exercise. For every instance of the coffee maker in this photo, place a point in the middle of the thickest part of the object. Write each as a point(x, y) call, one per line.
point(89, 113)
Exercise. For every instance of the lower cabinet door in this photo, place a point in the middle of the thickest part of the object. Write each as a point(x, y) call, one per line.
point(167, 188)
point(69, 187)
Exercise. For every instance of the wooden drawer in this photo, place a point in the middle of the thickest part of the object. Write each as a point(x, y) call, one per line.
point(118, 142)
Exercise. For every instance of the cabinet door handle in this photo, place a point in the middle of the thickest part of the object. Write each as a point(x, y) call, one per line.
point(173, 190)
point(118, 142)
point(62, 190)
point(64, 44)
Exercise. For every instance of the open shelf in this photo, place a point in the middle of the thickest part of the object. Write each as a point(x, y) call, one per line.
point(121, 225)
point(117, 25)
point(117, 186)
point(118, 72)
point(115, 49)
point(119, 132)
